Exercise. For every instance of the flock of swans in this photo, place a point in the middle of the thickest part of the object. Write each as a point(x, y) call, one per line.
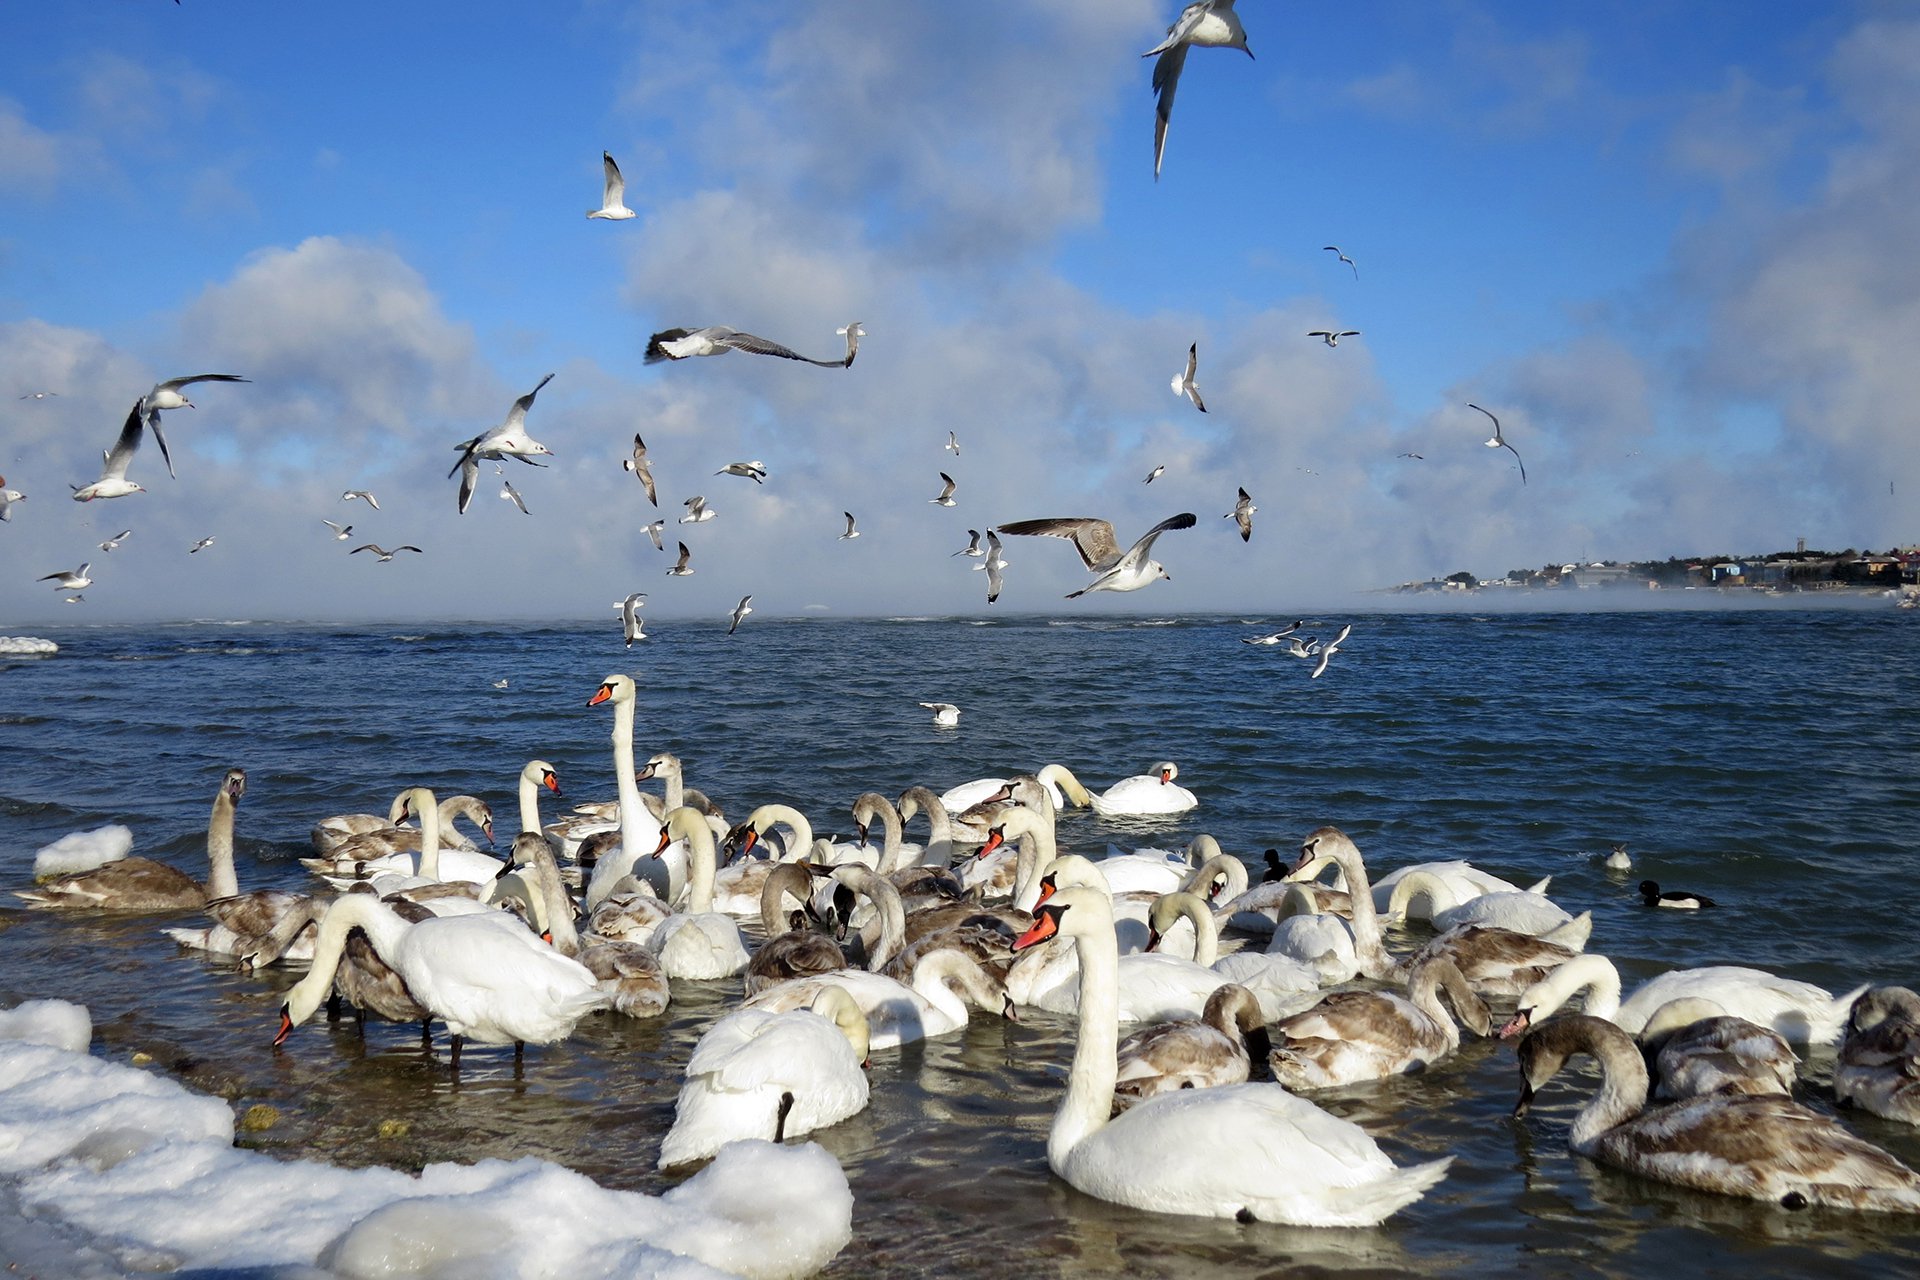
point(1209, 1009)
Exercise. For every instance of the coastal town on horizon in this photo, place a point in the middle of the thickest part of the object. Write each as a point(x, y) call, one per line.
point(1894, 572)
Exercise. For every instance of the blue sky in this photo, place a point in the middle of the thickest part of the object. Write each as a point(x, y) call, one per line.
point(1673, 247)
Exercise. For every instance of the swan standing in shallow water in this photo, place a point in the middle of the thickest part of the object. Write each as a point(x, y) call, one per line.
point(1248, 1151)
point(141, 884)
point(1800, 1011)
point(1146, 794)
point(756, 1074)
point(1762, 1147)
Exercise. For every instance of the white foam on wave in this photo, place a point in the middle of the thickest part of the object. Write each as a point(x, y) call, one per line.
point(26, 646)
point(136, 1165)
point(83, 851)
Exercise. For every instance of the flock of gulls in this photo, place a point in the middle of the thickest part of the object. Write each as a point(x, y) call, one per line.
point(1206, 1004)
point(1203, 25)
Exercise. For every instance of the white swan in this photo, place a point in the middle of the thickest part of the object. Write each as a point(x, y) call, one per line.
point(756, 1074)
point(534, 775)
point(485, 975)
point(1189, 1053)
point(898, 1013)
point(698, 942)
point(1062, 788)
point(1280, 985)
point(1800, 1011)
point(1355, 1036)
point(1250, 1151)
point(1878, 1068)
point(1320, 940)
point(1147, 794)
point(1331, 847)
point(427, 862)
point(626, 970)
point(1463, 878)
point(1149, 986)
point(1697, 1048)
point(141, 884)
point(370, 835)
point(638, 830)
point(1421, 895)
point(1761, 1146)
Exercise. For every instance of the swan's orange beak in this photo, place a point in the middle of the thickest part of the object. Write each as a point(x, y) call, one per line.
point(1165, 777)
point(1153, 938)
point(995, 838)
point(1047, 889)
point(286, 1027)
point(666, 838)
point(601, 695)
point(1045, 925)
point(749, 840)
point(1514, 1027)
point(551, 781)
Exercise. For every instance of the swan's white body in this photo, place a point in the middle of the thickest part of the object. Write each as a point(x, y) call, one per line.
point(1463, 881)
point(896, 1013)
point(1250, 1150)
point(698, 943)
point(1421, 895)
point(1800, 1011)
point(1062, 788)
point(1146, 795)
point(750, 1060)
point(1330, 846)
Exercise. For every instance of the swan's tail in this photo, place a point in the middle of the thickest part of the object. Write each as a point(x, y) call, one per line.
point(1832, 1022)
point(1366, 1204)
point(1573, 934)
point(1540, 886)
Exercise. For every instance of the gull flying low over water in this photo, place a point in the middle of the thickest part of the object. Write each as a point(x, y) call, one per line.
point(642, 469)
point(70, 580)
point(852, 333)
point(973, 545)
point(1330, 648)
point(1334, 249)
point(113, 482)
point(718, 339)
point(681, 569)
point(201, 545)
point(166, 395)
point(630, 622)
point(351, 494)
point(341, 532)
point(851, 531)
point(697, 510)
point(10, 496)
point(945, 714)
point(1155, 474)
point(508, 440)
point(740, 611)
point(1210, 24)
point(613, 193)
point(1500, 442)
point(1332, 336)
point(378, 550)
point(1274, 637)
point(653, 531)
point(1243, 513)
point(946, 493)
point(755, 471)
point(994, 563)
point(1183, 381)
point(1093, 539)
point(113, 543)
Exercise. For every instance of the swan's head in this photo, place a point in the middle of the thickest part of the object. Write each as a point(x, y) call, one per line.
point(685, 823)
point(411, 803)
point(663, 765)
point(1547, 1048)
point(1071, 871)
point(1070, 913)
point(235, 785)
point(615, 688)
point(542, 774)
point(1321, 849)
point(1166, 771)
point(867, 806)
point(1878, 1004)
point(836, 1006)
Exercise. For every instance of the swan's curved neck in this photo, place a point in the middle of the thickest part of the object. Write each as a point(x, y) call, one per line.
point(554, 902)
point(221, 880)
point(529, 801)
point(1216, 866)
point(1368, 947)
point(1593, 974)
point(429, 838)
point(674, 783)
point(1418, 884)
point(1089, 1099)
point(1622, 1095)
point(638, 830)
point(1206, 938)
point(349, 911)
point(701, 865)
point(1036, 851)
point(939, 850)
point(933, 973)
point(886, 906)
point(890, 830)
point(785, 879)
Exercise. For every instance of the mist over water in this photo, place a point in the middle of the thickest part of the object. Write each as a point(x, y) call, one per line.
point(1765, 757)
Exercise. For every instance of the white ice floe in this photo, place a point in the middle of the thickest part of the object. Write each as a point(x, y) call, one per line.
point(26, 646)
point(50, 1022)
point(134, 1165)
point(83, 851)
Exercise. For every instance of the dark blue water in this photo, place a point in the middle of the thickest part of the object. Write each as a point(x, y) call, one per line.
point(1769, 758)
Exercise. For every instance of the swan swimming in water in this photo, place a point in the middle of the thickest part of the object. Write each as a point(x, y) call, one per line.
point(1146, 794)
point(141, 884)
point(1697, 1048)
point(1288, 1161)
point(1760, 1146)
point(1878, 1069)
point(1191, 1053)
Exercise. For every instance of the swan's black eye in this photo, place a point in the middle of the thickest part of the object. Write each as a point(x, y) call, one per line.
point(1793, 1200)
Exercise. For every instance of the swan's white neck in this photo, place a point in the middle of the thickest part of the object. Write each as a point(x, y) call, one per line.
point(939, 850)
point(1590, 973)
point(221, 880)
point(529, 801)
point(1206, 937)
point(1089, 1099)
point(887, 908)
point(931, 976)
point(701, 863)
point(1368, 947)
point(348, 912)
point(1418, 884)
point(1036, 851)
point(639, 833)
point(429, 837)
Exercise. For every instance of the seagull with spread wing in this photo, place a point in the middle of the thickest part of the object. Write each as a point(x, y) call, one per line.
point(654, 530)
point(740, 611)
point(1334, 249)
point(166, 395)
point(508, 440)
point(946, 492)
point(755, 471)
point(1183, 381)
point(113, 482)
point(351, 494)
point(1243, 513)
point(851, 531)
point(995, 564)
point(1209, 24)
point(681, 567)
point(341, 532)
point(113, 543)
point(630, 622)
point(1100, 552)
point(380, 551)
point(10, 496)
point(641, 467)
point(1500, 442)
point(613, 192)
point(1332, 336)
point(718, 339)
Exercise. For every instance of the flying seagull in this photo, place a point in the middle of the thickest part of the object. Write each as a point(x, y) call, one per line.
point(74, 580)
point(973, 545)
point(1211, 24)
point(39, 395)
point(945, 714)
point(653, 531)
point(113, 482)
point(351, 494)
point(512, 495)
point(1274, 637)
point(852, 333)
point(201, 545)
point(76, 599)
point(993, 563)
point(630, 624)
point(1155, 474)
point(341, 532)
point(946, 493)
point(1500, 442)
point(1183, 381)
point(754, 471)
point(681, 568)
point(1331, 336)
point(613, 204)
point(508, 440)
point(740, 611)
point(1329, 649)
point(10, 496)
point(641, 468)
point(1093, 539)
point(952, 443)
point(697, 510)
point(166, 395)
point(851, 531)
point(1243, 513)
point(718, 339)
point(1334, 249)
point(378, 550)
point(113, 543)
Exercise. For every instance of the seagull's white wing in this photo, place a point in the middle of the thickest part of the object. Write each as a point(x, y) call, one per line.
point(616, 186)
point(517, 416)
point(1166, 79)
point(759, 346)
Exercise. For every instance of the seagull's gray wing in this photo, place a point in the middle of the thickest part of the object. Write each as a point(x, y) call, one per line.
point(1496, 422)
point(995, 577)
point(1166, 79)
point(616, 186)
point(174, 384)
point(642, 468)
point(367, 546)
point(512, 495)
point(1183, 26)
point(1516, 457)
point(153, 425)
point(517, 416)
point(1143, 548)
point(1092, 538)
point(469, 469)
point(116, 459)
point(759, 346)
point(653, 531)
